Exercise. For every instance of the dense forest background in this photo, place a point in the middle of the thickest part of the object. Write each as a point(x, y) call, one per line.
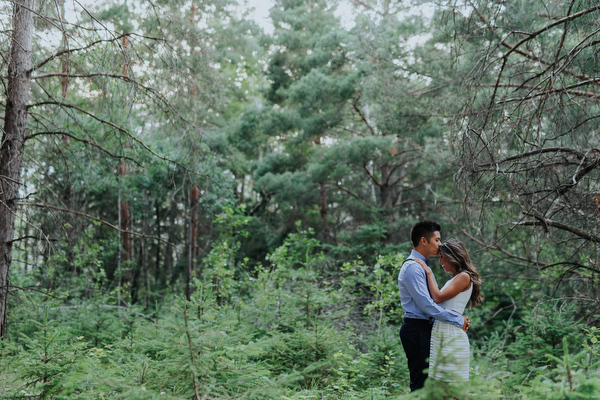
point(195, 208)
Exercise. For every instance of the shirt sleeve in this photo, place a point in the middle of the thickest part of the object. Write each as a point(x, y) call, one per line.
point(416, 284)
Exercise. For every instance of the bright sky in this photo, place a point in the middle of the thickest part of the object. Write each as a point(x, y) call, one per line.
point(261, 13)
point(345, 11)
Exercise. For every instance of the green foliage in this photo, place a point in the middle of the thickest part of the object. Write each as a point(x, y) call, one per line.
point(44, 359)
point(219, 266)
point(573, 377)
point(379, 281)
point(287, 331)
point(314, 149)
point(539, 338)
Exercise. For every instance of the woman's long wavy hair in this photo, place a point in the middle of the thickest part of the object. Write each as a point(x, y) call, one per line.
point(456, 253)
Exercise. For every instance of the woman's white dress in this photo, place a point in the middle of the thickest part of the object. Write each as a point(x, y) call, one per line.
point(449, 356)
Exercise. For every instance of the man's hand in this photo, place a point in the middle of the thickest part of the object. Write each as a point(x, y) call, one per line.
point(466, 325)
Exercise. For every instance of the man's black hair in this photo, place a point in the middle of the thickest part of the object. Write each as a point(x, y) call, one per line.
point(423, 229)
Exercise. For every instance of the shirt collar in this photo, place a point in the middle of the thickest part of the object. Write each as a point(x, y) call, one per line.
point(416, 254)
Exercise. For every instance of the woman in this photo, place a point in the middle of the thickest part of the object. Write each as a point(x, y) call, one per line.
point(464, 286)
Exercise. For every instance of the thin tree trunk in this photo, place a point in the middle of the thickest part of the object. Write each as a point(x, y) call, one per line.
point(193, 245)
point(386, 192)
point(13, 139)
point(171, 238)
point(144, 241)
point(323, 194)
point(126, 254)
point(64, 81)
point(126, 246)
point(127, 274)
point(323, 198)
point(125, 62)
point(119, 266)
point(157, 274)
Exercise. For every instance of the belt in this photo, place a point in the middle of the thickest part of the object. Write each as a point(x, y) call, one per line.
point(418, 321)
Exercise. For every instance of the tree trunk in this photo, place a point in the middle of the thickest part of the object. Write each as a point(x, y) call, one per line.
point(172, 237)
point(323, 201)
point(126, 246)
point(126, 250)
point(64, 60)
point(193, 245)
point(125, 62)
point(13, 139)
point(145, 258)
point(385, 191)
point(157, 271)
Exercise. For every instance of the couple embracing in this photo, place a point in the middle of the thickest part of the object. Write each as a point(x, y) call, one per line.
point(433, 319)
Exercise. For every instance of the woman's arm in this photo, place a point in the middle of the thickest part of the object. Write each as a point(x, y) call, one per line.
point(460, 283)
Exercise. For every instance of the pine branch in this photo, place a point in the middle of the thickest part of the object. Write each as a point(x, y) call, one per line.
point(161, 100)
point(546, 222)
point(125, 78)
point(107, 306)
point(573, 264)
point(88, 142)
point(580, 174)
point(30, 237)
point(75, 50)
point(543, 92)
point(362, 116)
point(125, 131)
point(515, 48)
point(561, 21)
point(400, 178)
point(103, 222)
point(489, 246)
point(528, 154)
point(353, 195)
point(371, 176)
point(564, 34)
point(70, 51)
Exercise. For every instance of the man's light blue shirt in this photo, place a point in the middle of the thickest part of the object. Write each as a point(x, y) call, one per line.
point(415, 297)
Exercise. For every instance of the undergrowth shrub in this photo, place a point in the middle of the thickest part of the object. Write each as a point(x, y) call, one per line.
point(44, 358)
point(297, 328)
point(574, 376)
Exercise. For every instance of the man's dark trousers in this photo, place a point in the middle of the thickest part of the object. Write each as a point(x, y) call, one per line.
point(415, 335)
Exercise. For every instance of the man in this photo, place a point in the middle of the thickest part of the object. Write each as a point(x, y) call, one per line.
point(419, 308)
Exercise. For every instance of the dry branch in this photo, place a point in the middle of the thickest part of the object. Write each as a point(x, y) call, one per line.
point(103, 222)
point(343, 189)
point(546, 222)
point(87, 142)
